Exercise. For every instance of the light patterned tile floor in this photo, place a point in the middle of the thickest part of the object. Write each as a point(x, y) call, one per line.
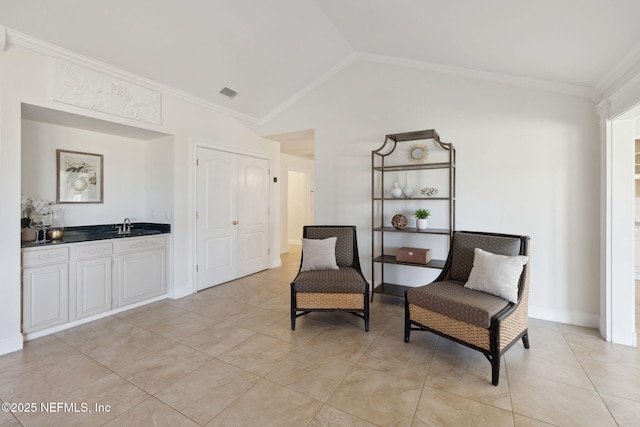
point(227, 357)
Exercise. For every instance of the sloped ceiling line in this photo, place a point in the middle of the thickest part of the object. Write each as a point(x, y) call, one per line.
point(628, 63)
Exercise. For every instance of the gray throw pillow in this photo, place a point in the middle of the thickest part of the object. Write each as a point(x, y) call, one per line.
point(319, 254)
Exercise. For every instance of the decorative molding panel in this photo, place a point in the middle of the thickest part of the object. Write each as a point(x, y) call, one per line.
point(18, 39)
point(89, 89)
point(32, 257)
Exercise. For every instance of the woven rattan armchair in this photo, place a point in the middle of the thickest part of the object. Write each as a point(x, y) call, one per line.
point(476, 319)
point(343, 289)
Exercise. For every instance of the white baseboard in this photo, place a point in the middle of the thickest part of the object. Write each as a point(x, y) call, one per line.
point(49, 331)
point(563, 316)
point(11, 344)
point(275, 263)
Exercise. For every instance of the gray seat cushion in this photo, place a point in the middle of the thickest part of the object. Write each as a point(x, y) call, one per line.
point(344, 280)
point(452, 299)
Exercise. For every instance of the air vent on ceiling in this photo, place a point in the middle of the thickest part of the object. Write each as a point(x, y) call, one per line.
point(228, 92)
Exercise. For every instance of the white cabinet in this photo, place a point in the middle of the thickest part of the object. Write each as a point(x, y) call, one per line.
point(66, 283)
point(93, 278)
point(45, 288)
point(141, 269)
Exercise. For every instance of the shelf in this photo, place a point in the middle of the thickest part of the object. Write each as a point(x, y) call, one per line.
point(417, 166)
point(415, 135)
point(390, 289)
point(390, 259)
point(414, 198)
point(383, 161)
point(413, 230)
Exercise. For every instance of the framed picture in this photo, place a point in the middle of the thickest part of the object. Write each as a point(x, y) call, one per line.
point(80, 177)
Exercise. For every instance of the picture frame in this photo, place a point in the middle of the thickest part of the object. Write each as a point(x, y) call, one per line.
point(80, 177)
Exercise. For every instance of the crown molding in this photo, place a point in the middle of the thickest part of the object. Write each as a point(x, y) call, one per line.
point(310, 87)
point(508, 79)
point(603, 108)
point(32, 43)
point(616, 75)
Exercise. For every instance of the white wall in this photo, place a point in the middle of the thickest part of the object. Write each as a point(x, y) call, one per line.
point(125, 171)
point(527, 164)
point(26, 77)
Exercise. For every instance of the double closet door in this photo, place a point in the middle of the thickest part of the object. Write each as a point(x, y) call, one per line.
point(232, 216)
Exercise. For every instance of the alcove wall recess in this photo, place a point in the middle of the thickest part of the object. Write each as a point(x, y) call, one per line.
point(138, 165)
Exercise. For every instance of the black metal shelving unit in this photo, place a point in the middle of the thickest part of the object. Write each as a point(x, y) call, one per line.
point(379, 203)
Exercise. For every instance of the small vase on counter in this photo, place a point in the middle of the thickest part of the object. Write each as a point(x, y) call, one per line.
point(27, 234)
point(56, 230)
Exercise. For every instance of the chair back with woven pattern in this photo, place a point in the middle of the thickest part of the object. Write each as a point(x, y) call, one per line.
point(461, 255)
point(346, 244)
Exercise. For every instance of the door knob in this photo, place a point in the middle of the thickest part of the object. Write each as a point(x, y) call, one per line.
point(235, 222)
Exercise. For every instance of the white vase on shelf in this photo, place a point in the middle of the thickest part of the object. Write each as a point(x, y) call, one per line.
point(408, 189)
point(421, 223)
point(396, 191)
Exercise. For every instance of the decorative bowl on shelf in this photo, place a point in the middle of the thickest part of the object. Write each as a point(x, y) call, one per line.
point(399, 221)
point(429, 191)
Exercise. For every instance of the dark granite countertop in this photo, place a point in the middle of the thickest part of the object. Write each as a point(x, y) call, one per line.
point(86, 233)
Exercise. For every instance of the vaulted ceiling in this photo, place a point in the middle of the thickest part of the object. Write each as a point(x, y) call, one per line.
point(271, 51)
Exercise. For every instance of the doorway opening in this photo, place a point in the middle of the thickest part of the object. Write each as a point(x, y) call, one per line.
point(298, 205)
point(297, 171)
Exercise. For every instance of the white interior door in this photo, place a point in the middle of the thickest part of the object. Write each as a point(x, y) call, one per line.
point(217, 210)
point(253, 215)
point(232, 223)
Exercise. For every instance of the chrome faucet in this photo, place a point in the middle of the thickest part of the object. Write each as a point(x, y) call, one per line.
point(126, 227)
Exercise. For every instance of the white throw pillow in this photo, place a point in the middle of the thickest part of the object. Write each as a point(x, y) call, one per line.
point(319, 254)
point(496, 274)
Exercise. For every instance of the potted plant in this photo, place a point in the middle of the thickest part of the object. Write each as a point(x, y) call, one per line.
point(421, 218)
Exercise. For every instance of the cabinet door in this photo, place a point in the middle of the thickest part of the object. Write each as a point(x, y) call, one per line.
point(46, 296)
point(93, 282)
point(141, 275)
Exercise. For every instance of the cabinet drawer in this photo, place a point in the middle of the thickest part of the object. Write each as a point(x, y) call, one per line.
point(94, 250)
point(35, 257)
point(131, 244)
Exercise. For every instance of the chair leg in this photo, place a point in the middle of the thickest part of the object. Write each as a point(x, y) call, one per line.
point(495, 369)
point(407, 321)
point(293, 308)
point(525, 339)
point(366, 310)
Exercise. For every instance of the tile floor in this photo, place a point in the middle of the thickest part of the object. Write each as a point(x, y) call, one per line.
point(227, 357)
